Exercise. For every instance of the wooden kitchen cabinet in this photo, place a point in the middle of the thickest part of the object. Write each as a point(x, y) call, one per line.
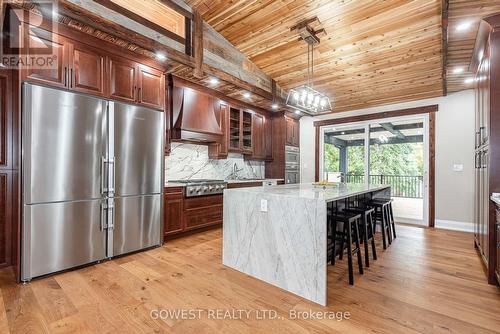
point(185, 214)
point(40, 39)
point(202, 211)
point(258, 140)
point(173, 210)
point(6, 207)
point(220, 150)
point(292, 132)
point(150, 87)
point(87, 69)
point(122, 79)
point(268, 138)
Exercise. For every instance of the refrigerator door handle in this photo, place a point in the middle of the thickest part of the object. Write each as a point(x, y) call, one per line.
point(104, 209)
point(104, 189)
point(112, 168)
point(111, 209)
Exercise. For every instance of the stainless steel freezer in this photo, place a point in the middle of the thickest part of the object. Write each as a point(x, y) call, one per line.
point(92, 179)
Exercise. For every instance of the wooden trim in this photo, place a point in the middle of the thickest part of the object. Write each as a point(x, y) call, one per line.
point(189, 36)
point(178, 81)
point(432, 169)
point(380, 115)
point(316, 153)
point(139, 19)
point(177, 8)
point(198, 45)
point(444, 35)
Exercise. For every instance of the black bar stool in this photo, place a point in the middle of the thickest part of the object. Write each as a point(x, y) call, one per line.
point(382, 216)
point(349, 231)
point(367, 230)
point(389, 215)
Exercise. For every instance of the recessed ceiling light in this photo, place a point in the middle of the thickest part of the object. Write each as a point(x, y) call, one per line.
point(297, 112)
point(457, 70)
point(246, 95)
point(160, 56)
point(469, 80)
point(464, 26)
point(213, 81)
point(274, 106)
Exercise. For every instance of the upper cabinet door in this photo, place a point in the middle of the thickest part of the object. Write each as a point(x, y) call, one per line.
point(87, 69)
point(38, 39)
point(258, 136)
point(151, 87)
point(289, 131)
point(122, 79)
point(268, 138)
point(296, 133)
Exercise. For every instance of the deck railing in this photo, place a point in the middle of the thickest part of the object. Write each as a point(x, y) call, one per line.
point(402, 185)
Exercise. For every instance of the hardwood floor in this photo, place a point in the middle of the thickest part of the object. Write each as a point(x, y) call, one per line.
point(428, 281)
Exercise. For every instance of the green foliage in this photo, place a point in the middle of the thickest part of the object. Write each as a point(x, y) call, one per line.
point(387, 159)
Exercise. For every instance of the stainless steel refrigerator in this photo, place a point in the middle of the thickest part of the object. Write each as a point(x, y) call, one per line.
point(92, 179)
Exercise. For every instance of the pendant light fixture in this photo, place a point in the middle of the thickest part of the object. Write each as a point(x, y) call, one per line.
point(305, 98)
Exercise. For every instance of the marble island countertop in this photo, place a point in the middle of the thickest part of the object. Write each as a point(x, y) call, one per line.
point(309, 191)
point(278, 234)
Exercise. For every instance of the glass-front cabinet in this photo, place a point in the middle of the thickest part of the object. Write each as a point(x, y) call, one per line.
point(234, 129)
point(240, 131)
point(246, 132)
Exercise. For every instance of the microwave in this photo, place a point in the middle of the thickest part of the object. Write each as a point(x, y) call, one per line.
point(292, 154)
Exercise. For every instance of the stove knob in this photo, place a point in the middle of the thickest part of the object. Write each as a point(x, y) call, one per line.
point(191, 190)
point(217, 187)
point(205, 188)
point(211, 188)
point(222, 186)
point(198, 189)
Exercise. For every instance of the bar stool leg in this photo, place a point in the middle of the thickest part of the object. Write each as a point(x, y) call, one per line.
point(334, 242)
point(374, 250)
point(348, 231)
point(358, 251)
point(388, 224)
point(393, 223)
point(365, 239)
point(342, 242)
point(382, 225)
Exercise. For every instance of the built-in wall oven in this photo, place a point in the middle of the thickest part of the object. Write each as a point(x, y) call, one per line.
point(292, 164)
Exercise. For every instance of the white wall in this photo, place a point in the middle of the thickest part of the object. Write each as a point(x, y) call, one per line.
point(454, 145)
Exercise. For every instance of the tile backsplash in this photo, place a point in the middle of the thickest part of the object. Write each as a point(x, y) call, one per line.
point(190, 161)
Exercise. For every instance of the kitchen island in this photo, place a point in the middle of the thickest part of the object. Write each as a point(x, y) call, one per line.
point(278, 234)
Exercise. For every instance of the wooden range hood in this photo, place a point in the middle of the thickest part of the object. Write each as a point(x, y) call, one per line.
point(193, 115)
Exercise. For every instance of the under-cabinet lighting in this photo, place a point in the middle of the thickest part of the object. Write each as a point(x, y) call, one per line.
point(469, 80)
point(464, 26)
point(161, 56)
point(213, 81)
point(246, 95)
point(274, 106)
point(297, 112)
point(457, 70)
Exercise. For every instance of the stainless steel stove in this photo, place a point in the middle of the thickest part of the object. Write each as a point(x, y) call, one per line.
point(203, 187)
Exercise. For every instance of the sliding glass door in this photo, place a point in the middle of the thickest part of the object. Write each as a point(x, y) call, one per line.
point(388, 151)
point(344, 154)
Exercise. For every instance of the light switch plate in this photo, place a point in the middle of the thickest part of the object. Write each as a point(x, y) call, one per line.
point(458, 168)
point(263, 205)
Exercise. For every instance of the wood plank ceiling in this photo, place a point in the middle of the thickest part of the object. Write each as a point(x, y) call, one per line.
point(463, 23)
point(375, 52)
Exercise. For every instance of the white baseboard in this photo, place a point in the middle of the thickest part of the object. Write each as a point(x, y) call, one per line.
point(454, 225)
